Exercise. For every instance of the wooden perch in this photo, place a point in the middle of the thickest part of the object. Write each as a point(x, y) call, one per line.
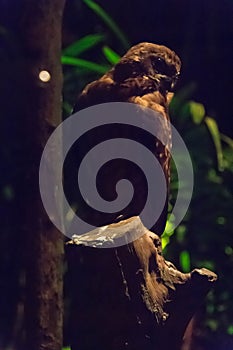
point(130, 297)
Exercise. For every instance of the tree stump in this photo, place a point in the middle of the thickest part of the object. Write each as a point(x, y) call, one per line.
point(130, 297)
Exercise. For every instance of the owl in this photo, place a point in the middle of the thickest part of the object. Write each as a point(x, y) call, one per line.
point(146, 75)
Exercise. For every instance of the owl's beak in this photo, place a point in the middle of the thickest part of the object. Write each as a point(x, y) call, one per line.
point(175, 78)
point(166, 82)
point(169, 83)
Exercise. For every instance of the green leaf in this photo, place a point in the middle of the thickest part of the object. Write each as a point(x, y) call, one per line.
point(97, 9)
point(8, 192)
point(83, 44)
point(168, 232)
point(78, 62)
point(216, 137)
point(208, 264)
point(197, 111)
point(111, 55)
point(67, 107)
point(180, 233)
point(230, 329)
point(185, 261)
point(165, 239)
point(181, 96)
point(67, 348)
point(212, 324)
point(228, 250)
point(227, 140)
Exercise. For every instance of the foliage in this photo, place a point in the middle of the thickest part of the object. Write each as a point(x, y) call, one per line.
point(81, 70)
point(204, 237)
point(109, 21)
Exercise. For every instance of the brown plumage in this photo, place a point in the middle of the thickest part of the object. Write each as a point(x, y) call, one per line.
point(145, 75)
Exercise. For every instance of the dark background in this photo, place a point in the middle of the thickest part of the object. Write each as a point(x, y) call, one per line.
point(201, 33)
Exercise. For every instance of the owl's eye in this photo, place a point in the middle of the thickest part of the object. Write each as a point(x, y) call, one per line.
point(127, 69)
point(159, 65)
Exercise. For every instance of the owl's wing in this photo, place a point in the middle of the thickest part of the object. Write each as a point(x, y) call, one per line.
point(107, 90)
point(136, 91)
point(99, 91)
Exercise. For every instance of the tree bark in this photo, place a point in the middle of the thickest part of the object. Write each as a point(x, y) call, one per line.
point(131, 297)
point(34, 105)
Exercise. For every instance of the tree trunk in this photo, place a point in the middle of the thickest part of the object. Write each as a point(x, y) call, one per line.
point(33, 101)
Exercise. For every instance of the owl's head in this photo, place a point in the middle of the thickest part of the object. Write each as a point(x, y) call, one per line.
point(155, 62)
